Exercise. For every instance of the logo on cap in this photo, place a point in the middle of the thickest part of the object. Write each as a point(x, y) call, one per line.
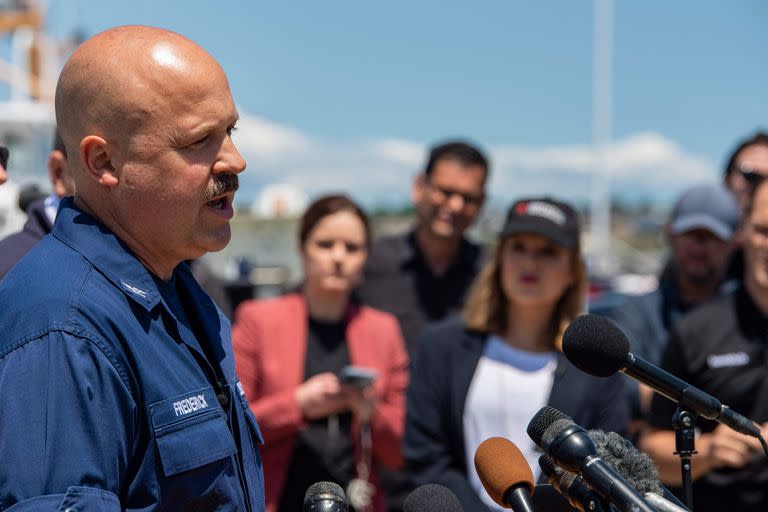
point(542, 209)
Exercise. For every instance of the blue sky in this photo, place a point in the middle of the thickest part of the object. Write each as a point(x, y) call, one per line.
point(347, 94)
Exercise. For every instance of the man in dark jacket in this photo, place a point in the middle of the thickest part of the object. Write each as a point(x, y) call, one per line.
point(701, 236)
point(41, 213)
point(423, 275)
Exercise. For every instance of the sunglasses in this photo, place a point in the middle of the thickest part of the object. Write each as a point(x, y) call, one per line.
point(3, 157)
point(752, 176)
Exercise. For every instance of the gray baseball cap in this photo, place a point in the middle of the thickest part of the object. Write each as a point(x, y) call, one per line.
point(710, 207)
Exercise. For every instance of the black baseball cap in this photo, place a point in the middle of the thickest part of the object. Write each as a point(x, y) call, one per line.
point(543, 216)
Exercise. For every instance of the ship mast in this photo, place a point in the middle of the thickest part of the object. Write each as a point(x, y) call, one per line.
point(24, 21)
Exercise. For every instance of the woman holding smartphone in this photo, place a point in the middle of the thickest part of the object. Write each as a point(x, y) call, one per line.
point(291, 352)
point(488, 373)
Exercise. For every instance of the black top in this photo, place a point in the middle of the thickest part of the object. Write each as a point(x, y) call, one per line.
point(720, 348)
point(398, 280)
point(323, 451)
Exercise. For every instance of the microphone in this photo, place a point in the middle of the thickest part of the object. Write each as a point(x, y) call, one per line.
point(638, 469)
point(598, 347)
point(570, 447)
point(551, 471)
point(432, 498)
point(324, 497)
point(505, 474)
point(571, 486)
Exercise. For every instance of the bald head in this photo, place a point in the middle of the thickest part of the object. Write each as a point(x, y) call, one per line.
point(121, 79)
point(146, 117)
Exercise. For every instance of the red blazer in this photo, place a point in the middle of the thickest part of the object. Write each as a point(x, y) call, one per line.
point(270, 344)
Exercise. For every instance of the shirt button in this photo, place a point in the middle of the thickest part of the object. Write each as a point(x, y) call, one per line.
point(70, 509)
point(223, 400)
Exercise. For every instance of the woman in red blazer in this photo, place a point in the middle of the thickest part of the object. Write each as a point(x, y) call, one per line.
point(290, 351)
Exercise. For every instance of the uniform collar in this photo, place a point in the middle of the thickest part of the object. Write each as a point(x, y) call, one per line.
point(96, 243)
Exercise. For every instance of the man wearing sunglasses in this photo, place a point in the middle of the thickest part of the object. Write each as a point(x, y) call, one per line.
point(747, 165)
point(3, 164)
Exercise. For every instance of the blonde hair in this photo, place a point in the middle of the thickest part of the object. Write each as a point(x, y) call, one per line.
point(486, 307)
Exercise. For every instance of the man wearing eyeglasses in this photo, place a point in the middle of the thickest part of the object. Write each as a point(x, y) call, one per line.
point(422, 276)
point(748, 163)
point(3, 164)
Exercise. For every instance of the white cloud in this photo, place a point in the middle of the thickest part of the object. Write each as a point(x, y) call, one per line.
point(381, 170)
point(264, 139)
point(400, 151)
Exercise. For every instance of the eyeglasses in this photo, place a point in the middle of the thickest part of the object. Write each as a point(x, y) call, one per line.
point(3, 157)
point(444, 193)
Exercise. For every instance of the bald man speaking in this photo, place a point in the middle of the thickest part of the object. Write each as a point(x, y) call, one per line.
point(117, 381)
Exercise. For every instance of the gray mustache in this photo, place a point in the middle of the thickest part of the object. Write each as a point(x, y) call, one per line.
point(222, 184)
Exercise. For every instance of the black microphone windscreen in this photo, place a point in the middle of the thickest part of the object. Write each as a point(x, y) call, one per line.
point(432, 498)
point(542, 420)
point(548, 467)
point(567, 479)
point(635, 466)
point(554, 430)
point(324, 491)
point(595, 345)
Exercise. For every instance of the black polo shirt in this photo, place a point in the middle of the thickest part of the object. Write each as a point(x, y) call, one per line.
point(721, 348)
point(399, 281)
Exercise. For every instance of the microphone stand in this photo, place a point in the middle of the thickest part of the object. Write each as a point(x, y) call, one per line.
point(685, 441)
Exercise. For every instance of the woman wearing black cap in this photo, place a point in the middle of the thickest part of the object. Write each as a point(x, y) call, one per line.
point(489, 372)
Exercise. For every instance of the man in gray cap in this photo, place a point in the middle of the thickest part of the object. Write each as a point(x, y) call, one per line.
point(700, 234)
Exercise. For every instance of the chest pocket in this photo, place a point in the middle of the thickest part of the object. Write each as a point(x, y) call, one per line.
point(191, 431)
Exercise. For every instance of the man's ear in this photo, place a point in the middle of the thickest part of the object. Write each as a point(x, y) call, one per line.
point(417, 188)
point(97, 161)
point(58, 172)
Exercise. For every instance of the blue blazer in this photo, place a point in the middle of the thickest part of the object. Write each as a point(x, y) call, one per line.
point(446, 359)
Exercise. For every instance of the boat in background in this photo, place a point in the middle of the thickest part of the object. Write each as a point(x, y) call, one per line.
point(30, 62)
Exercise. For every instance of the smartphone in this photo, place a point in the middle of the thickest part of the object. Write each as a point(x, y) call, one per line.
point(357, 376)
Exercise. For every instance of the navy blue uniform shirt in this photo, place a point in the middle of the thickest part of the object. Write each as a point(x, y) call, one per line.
point(107, 401)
